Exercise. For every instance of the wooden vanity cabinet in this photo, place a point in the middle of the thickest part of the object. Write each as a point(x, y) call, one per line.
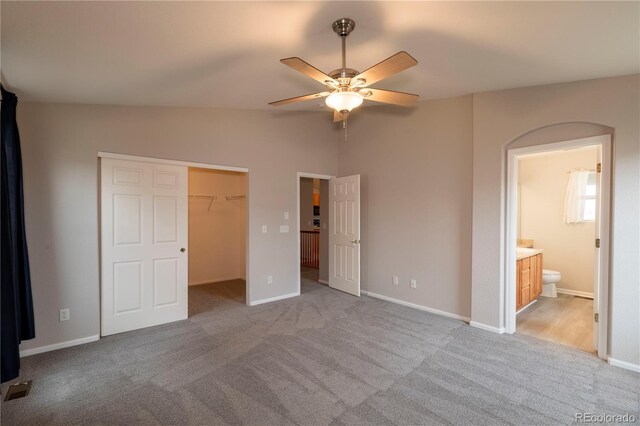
point(528, 280)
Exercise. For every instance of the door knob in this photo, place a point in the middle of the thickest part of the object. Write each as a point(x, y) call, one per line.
point(355, 241)
point(182, 250)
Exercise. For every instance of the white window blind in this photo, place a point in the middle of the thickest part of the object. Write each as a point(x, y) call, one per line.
point(580, 201)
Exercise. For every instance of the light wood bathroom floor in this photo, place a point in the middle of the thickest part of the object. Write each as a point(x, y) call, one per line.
point(565, 320)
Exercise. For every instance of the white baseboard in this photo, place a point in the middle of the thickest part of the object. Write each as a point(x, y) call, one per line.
point(215, 280)
point(415, 306)
point(61, 345)
point(575, 292)
point(273, 299)
point(323, 282)
point(486, 327)
point(530, 303)
point(624, 364)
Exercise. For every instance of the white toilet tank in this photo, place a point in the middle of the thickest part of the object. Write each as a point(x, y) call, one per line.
point(550, 276)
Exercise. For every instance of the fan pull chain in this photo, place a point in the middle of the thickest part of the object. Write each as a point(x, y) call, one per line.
point(344, 126)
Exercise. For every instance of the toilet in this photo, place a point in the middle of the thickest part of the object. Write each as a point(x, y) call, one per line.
point(549, 280)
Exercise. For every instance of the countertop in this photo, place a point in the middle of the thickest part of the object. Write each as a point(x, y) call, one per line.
point(523, 253)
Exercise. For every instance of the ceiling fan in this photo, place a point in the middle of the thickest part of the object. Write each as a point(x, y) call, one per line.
point(348, 88)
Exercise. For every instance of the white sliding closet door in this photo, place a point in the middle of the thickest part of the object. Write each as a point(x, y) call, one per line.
point(143, 244)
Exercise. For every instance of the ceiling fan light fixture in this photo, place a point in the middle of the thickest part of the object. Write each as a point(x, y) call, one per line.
point(344, 101)
point(347, 88)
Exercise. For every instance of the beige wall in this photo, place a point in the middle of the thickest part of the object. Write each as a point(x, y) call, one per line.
point(502, 117)
point(217, 235)
point(60, 145)
point(568, 248)
point(415, 168)
point(428, 175)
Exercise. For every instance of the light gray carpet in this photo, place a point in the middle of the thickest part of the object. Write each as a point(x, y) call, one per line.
point(322, 358)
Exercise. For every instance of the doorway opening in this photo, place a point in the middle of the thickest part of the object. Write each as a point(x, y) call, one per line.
point(339, 221)
point(217, 225)
point(313, 222)
point(557, 242)
point(173, 240)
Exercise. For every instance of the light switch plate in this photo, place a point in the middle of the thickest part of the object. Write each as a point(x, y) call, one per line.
point(270, 279)
point(264, 229)
point(286, 215)
point(395, 280)
point(414, 284)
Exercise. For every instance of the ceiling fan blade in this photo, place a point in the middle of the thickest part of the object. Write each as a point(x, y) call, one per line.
point(299, 98)
point(338, 116)
point(392, 65)
point(389, 97)
point(308, 70)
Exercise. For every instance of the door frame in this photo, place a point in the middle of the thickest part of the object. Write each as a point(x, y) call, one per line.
point(601, 282)
point(155, 160)
point(298, 176)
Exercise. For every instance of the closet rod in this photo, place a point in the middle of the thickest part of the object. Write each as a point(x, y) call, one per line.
point(210, 197)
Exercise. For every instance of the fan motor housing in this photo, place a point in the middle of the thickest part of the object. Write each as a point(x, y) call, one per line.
point(343, 73)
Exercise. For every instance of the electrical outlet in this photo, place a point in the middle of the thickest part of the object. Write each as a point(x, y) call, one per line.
point(395, 280)
point(414, 283)
point(264, 229)
point(64, 314)
point(270, 279)
point(286, 215)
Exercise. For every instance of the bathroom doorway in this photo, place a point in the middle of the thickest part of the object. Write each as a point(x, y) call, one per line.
point(557, 242)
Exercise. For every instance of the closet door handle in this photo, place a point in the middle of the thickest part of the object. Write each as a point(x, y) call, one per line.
point(182, 250)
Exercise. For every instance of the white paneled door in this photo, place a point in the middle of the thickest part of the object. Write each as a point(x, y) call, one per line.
point(143, 241)
point(344, 234)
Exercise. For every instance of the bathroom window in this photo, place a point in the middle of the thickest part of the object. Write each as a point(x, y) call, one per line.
point(580, 202)
point(589, 212)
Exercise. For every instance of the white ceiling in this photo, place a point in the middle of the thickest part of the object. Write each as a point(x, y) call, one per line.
point(225, 54)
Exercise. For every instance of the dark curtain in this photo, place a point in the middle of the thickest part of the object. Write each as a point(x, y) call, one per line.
point(16, 304)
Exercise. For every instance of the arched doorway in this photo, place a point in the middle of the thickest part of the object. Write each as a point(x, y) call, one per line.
point(547, 139)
